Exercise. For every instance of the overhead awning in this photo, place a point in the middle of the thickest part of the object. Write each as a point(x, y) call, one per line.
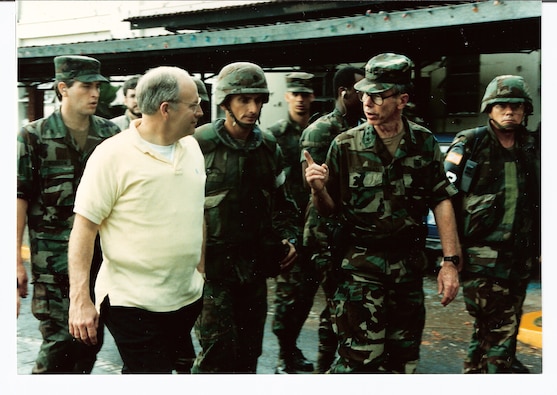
point(422, 33)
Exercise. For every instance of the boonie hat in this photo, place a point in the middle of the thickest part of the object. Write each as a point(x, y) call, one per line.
point(384, 71)
point(80, 68)
point(299, 82)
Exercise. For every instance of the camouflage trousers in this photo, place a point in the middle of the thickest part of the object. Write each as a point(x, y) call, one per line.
point(327, 339)
point(497, 308)
point(59, 351)
point(295, 291)
point(379, 325)
point(230, 327)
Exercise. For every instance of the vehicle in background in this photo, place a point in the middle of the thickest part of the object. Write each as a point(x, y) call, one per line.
point(433, 243)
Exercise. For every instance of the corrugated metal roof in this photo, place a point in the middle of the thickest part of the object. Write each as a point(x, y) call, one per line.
point(216, 6)
point(273, 11)
point(481, 27)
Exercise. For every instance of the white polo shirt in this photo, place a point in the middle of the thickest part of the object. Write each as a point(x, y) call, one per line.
point(150, 212)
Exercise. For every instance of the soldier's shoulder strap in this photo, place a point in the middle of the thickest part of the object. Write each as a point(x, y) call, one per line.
point(460, 166)
point(471, 137)
point(206, 136)
point(269, 140)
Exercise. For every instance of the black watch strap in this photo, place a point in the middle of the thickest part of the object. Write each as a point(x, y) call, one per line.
point(455, 259)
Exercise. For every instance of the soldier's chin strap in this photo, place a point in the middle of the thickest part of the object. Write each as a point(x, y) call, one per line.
point(524, 123)
point(237, 122)
point(504, 128)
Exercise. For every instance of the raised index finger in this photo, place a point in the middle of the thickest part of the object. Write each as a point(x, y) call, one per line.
point(308, 157)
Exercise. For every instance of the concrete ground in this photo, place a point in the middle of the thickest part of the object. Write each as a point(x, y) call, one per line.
point(445, 340)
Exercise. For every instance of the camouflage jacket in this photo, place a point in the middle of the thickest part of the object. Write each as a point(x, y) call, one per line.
point(383, 200)
point(246, 204)
point(499, 217)
point(316, 139)
point(288, 133)
point(49, 168)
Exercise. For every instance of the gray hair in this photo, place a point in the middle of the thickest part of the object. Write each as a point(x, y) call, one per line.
point(158, 85)
point(404, 88)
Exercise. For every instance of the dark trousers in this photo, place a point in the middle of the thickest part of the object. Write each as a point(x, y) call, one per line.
point(231, 326)
point(295, 291)
point(152, 342)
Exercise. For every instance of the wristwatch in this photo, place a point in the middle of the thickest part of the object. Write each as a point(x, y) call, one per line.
point(454, 259)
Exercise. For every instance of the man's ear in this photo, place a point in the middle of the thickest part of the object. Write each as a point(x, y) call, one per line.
point(163, 108)
point(62, 87)
point(341, 91)
point(404, 99)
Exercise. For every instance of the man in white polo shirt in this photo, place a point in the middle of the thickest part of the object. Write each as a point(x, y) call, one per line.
point(144, 192)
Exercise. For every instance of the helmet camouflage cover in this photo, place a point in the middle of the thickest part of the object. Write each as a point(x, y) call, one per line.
point(507, 89)
point(201, 89)
point(240, 78)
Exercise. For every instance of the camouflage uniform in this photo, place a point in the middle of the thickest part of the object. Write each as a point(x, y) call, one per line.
point(50, 165)
point(382, 200)
point(287, 133)
point(379, 306)
point(248, 213)
point(316, 139)
point(498, 218)
point(295, 289)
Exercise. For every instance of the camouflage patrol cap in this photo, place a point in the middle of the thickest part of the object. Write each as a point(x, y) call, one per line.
point(384, 71)
point(201, 89)
point(299, 82)
point(240, 78)
point(507, 89)
point(76, 67)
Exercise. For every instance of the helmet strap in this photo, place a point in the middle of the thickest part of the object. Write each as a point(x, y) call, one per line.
point(237, 122)
point(505, 128)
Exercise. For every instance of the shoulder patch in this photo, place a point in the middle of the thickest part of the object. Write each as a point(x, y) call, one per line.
point(454, 157)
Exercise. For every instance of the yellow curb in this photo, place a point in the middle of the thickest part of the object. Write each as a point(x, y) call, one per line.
point(25, 253)
point(530, 330)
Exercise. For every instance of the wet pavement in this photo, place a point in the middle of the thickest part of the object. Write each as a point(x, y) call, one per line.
point(445, 340)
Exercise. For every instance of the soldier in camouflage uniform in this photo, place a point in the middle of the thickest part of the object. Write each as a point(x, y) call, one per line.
point(250, 220)
point(130, 101)
point(380, 178)
point(52, 153)
point(296, 288)
point(316, 139)
point(498, 214)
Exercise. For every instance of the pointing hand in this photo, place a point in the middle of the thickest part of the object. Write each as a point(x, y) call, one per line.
point(316, 175)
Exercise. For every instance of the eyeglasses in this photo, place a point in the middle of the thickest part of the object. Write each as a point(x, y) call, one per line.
point(376, 98)
point(192, 106)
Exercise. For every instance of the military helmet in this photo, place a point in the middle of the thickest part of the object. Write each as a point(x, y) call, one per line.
point(201, 89)
point(507, 89)
point(240, 78)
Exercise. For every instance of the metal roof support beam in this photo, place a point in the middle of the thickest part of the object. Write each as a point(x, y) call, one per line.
point(372, 23)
